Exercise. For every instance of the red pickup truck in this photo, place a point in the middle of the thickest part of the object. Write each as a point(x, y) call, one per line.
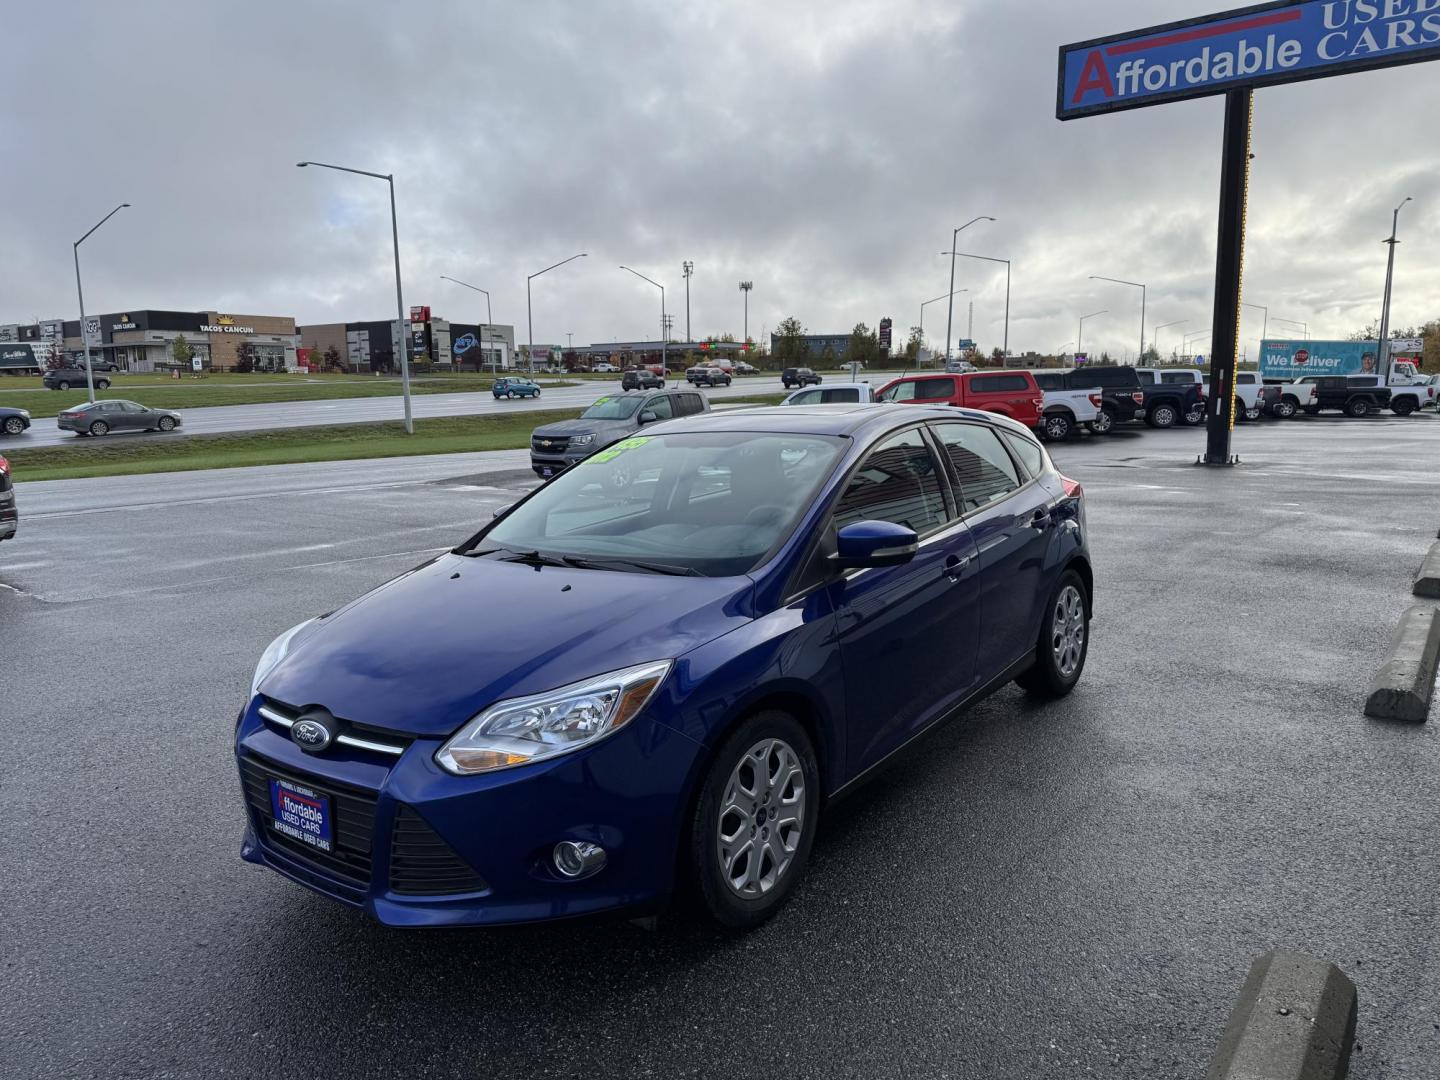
point(1009, 393)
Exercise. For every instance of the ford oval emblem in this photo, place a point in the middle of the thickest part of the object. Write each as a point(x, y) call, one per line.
point(311, 735)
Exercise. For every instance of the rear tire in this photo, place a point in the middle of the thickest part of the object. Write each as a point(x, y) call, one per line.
point(62, 385)
point(1103, 424)
point(1286, 408)
point(765, 771)
point(1403, 407)
point(1163, 415)
point(1357, 408)
point(14, 426)
point(99, 427)
point(1058, 427)
point(1064, 641)
point(102, 384)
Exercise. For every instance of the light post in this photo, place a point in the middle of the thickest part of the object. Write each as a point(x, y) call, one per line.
point(1264, 324)
point(80, 293)
point(1155, 341)
point(529, 313)
point(1060, 352)
point(1080, 337)
point(1140, 356)
point(1384, 357)
point(745, 287)
point(987, 258)
point(688, 268)
point(954, 243)
point(488, 317)
point(1304, 327)
point(664, 322)
point(1198, 335)
point(389, 178)
point(926, 304)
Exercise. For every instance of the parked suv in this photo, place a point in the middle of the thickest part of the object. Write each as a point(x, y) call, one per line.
point(69, 378)
point(641, 379)
point(799, 376)
point(9, 515)
point(1008, 393)
point(555, 447)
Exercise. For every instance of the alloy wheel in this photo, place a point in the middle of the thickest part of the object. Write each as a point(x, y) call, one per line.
point(762, 818)
point(1102, 423)
point(1067, 630)
point(1057, 427)
point(14, 426)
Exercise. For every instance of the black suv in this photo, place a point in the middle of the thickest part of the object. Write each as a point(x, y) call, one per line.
point(641, 379)
point(799, 376)
point(68, 378)
point(1123, 399)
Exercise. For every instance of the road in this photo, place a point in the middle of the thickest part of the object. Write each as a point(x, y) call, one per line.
point(1039, 891)
point(291, 414)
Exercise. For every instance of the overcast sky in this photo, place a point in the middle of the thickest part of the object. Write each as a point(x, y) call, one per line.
point(821, 148)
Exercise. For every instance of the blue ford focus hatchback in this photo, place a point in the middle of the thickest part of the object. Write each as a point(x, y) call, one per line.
point(649, 677)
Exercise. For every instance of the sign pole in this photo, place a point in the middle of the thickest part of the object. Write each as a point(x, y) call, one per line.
point(1229, 266)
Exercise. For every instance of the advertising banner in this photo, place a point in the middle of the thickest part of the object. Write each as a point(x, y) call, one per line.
point(1247, 47)
point(1295, 359)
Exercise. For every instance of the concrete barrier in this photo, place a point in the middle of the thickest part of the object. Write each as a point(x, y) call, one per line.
point(1427, 582)
point(1295, 1020)
point(1402, 688)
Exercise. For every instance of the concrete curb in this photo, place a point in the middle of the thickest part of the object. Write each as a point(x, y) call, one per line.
point(1295, 1020)
point(1401, 690)
point(1427, 582)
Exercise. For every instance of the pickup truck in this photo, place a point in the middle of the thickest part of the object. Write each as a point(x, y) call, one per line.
point(1007, 393)
point(1120, 396)
point(1172, 395)
point(1066, 409)
point(1250, 394)
point(1354, 395)
point(832, 394)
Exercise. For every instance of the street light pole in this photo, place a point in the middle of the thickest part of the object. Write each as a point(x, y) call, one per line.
point(389, 178)
point(1304, 327)
point(1155, 340)
point(80, 293)
point(529, 311)
point(954, 243)
point(745, 287)
point(664, 335)
point(488, 317)
point(1384, 351)
point(1140, 356)
point(1080, 337)
point(689, 269)
point(927, 303)
point(987, 258)
point(1188, 338)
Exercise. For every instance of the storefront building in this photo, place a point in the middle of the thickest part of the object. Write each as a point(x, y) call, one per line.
point(147, 340)
point(370, 346)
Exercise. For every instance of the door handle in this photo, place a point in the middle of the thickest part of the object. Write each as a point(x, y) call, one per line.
point(955, 566)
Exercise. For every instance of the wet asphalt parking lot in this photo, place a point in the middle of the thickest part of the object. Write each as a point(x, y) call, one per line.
point(1064, 890)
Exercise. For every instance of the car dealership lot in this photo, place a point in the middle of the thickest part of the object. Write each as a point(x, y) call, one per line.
point(1035, 890)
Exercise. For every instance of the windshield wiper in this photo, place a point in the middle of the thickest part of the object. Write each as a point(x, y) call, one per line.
point(530, 558)
point(604, 563)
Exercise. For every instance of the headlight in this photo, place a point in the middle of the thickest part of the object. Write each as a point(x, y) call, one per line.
point(581, 440)
point(25, 413)
point(546, 725)
point(274, 653)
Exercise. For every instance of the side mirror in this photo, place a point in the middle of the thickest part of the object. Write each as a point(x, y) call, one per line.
point(648, 417)
point(501, 511)
point(867, 544)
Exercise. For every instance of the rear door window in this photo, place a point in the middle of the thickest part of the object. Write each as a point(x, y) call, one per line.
point(980, 464)
point(899, 482)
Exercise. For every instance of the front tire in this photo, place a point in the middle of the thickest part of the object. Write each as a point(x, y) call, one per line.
point(1064, 641)
point(1163, 415)
point(62, 385)
point(1403, 407)
point(102, 384)
point(166, 423)
point(755, 821)
point(1357, 408)
point(1286, 408)
point(14, 426)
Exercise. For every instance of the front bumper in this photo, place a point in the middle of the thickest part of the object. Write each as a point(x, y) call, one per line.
point(548, 465)
point(627, 793)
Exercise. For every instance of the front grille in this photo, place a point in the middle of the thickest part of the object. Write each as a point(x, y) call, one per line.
point(422, 864)
point(550, 444)
point(349, 860)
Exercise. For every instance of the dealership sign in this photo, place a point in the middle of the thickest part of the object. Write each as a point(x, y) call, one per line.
point(1249, 47)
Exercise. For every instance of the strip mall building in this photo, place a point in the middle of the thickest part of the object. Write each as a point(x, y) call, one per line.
point(144, 340)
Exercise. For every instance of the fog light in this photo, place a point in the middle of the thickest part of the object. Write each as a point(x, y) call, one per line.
point(578, 860)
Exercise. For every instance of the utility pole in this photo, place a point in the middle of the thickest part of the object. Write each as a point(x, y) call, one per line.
point(689, 269)
point(1384, 357)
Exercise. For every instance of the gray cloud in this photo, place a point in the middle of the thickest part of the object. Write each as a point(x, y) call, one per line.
point(823, 150)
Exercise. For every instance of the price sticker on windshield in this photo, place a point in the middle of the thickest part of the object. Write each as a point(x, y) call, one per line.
point(610, 453)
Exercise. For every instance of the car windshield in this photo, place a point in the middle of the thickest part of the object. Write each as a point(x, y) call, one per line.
point(714, 504)
point(612, 408)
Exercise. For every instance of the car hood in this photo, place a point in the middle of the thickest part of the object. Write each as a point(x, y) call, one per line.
point(583, 427)
point(425, 652)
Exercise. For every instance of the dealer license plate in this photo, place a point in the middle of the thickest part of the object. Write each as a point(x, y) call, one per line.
point(302, 814)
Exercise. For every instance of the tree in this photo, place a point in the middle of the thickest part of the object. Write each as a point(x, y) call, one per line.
point(1149, 357)
point(1430, 333)
point(863, 347)
point(791, 348)
point(331, 360)
point(914, 343)
point(182, 350)
point(997, 355)
point(244, 358)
